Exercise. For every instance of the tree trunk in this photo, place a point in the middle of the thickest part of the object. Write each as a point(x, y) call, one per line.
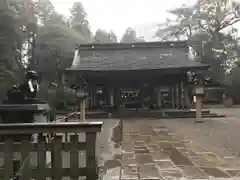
point(1, 63)
point(1, 70)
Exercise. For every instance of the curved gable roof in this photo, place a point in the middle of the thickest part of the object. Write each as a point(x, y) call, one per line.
point(134, 56)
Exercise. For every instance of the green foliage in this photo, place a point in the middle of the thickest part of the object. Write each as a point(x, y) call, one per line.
point(61, 98)
point(54, 50)
point(10, 78)
point(205, 25)
point(79, 20)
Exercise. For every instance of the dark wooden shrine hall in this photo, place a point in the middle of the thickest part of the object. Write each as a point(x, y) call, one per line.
point(143, 74)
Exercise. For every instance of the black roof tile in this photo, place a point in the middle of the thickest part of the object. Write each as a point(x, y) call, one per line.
point(137, 56)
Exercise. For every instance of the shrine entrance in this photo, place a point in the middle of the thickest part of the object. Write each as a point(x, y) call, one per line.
point(149, 75)
point(129, 98)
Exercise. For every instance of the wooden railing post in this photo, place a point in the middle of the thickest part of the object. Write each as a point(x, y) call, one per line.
point(41, 158)
point(74, 157)
point(57, 157)
point(16, 168)
point(91, 164)
point(8, 159)
point(25, 160)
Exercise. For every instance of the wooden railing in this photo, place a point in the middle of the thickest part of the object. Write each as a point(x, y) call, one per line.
point(55, 145)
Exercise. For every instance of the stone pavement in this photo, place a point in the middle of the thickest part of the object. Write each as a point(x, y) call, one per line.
point(152, 152)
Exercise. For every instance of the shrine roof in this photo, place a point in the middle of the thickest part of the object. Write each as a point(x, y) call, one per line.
point(134, 56)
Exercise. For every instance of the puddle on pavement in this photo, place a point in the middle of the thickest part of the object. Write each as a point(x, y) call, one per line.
point(171, 174)
point(215, 172)
point(173, 155)
point(192, 172)
point(148, 172)
point(234, 172)
point(165, 164)
point(144, 159)
point(112, 167)
point(117, 135)
point(176, 157)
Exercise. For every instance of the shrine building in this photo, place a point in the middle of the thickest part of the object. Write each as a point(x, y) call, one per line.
point(141, 74)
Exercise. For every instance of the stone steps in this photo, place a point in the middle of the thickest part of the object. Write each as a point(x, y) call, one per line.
point(166, 114)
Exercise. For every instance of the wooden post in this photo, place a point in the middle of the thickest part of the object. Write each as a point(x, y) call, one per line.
point(74, 156)
point(199, 109)
point(94, 98)
point(199, 92)
point(8, 159)
point(173, 98)
point(57, 158)
point(82, 110)
point(112, 97)
point(91, 162)
point(16, 168)
point(177, 96)
point(186, 97)
point(182, 95)
point(159, 98)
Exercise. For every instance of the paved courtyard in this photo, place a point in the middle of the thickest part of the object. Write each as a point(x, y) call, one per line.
point(162, 149)
point(181, 149)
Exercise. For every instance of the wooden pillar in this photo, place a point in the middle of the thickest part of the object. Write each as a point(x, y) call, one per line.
point(94, 97)
point(159, 97)
point(111, 93)
point(91, 96)
point(173, 98)
point(1, 69)
point(182, 95)
point(63, 79)
point(177, 96)
point(87, 103)
point(186, 96)
point(117, 97)
point(82, 110)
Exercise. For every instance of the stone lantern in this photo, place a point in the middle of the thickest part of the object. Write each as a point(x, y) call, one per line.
point(81, 96)
point(198, 98)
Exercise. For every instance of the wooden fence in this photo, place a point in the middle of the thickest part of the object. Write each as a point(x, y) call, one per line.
point(56, 145)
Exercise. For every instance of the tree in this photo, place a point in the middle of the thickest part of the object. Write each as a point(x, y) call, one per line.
point(13, 33)
point(102, 36)
point(130, 35)
point(112, 36)
point(203, 25)
point(55, 46)
point(79, 20)
point(45, 11)
point(33, 35)
point(18, 28)
point(182, 25)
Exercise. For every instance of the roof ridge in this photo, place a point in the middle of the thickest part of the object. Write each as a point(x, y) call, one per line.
point(133, 45)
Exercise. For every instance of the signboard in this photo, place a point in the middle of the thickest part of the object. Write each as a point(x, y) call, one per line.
point(164, 89)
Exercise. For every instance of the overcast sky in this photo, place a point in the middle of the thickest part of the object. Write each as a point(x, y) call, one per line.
point(117, 15)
